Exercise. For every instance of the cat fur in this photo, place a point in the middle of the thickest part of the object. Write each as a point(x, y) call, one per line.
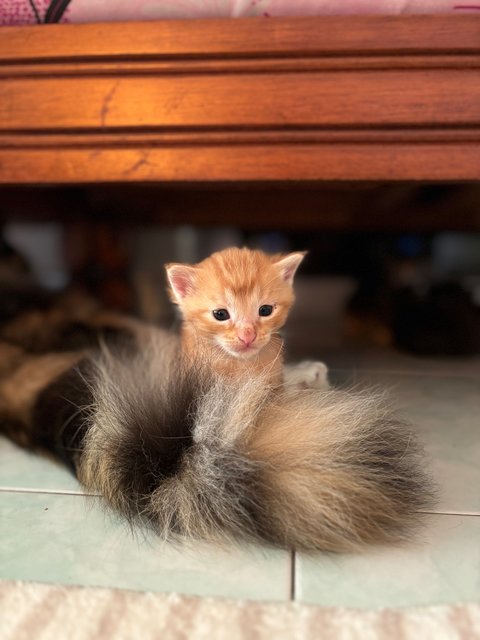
point(193, 455)
point(172, 443)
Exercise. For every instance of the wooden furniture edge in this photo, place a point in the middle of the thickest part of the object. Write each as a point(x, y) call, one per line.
point(243, 37)
point(306, 99)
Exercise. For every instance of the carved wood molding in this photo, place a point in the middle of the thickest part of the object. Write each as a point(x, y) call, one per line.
point(336, 98)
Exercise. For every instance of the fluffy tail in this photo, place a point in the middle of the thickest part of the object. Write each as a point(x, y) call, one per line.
point(196, 456)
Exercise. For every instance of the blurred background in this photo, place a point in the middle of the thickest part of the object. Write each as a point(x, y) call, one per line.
point(390, 266)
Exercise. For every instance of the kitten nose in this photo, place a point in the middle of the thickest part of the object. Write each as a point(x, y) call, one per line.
point(247, 335)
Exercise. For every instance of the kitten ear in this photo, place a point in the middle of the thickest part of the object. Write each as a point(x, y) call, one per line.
point(182, 280)
point(289, 264)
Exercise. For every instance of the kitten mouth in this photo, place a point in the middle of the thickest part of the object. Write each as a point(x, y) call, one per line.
point(242, 351)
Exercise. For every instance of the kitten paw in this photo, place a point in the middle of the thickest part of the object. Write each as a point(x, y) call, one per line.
point(307, 374)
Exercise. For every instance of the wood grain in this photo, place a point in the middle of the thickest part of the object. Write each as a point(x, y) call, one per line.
point(298, 162)
point(243, 37)
point(375, 98)
point(434, 97)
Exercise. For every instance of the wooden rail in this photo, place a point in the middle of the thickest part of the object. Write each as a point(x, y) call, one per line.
point(307, 99)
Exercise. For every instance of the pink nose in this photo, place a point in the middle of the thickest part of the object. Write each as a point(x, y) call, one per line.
point(247, 336)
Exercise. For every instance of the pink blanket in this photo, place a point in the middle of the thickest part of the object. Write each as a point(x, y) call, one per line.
point(39, 11)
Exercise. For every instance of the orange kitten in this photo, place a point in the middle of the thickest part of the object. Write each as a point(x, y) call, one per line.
point(233, 304)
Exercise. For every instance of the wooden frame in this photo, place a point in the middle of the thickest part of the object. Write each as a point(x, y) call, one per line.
point(332, 98)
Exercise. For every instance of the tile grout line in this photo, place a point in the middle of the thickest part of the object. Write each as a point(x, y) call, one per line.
point(293, 572)
point(451, 513)
point(407, 372)
point(58, 492)
point(61, 492)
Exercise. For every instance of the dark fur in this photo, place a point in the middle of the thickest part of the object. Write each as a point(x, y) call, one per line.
point(60, 415)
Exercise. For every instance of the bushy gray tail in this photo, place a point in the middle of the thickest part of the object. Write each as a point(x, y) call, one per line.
point(192, 455)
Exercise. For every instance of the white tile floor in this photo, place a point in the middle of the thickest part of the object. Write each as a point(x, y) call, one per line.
point(67, 539)
point(50, 533)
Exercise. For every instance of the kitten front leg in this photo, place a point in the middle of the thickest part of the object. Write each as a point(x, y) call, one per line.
point(307, 374)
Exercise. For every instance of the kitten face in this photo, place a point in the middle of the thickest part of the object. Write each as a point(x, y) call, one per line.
point(236, 299)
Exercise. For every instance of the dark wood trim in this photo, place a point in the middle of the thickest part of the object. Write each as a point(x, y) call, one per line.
point(334, 98)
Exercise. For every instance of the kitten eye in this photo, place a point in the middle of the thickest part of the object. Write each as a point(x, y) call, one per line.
point(265, 310)
point(221, 314)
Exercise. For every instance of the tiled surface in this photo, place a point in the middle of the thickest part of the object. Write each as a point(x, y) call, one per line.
point(441, 567)
point(442, 399)
point(69, 539)
point(21, 469)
